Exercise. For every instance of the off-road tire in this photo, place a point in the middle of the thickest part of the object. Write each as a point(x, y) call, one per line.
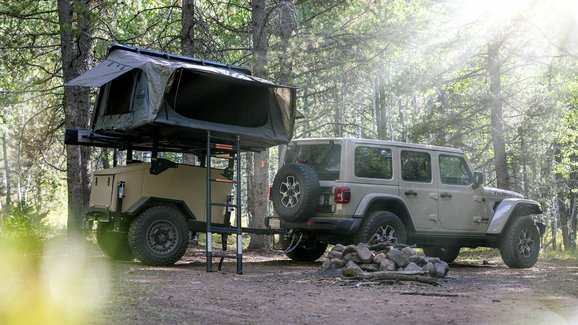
point(159, 236)
point(446, 254)
point(295, 192)
point(113, 244)
point(379, 221)
point(307, 251)
point(520, 243)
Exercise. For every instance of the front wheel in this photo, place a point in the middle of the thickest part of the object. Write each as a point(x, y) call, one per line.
point(381, 226)
point(446, 254)
point(159, 236)
point(520, 243)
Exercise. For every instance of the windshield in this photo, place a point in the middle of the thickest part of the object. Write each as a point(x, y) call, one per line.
point(325, 159)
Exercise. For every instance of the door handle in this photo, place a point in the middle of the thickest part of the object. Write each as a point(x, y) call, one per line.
point(446, 196)
point(410, 193)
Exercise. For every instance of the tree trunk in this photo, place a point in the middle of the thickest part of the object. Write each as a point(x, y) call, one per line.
point(76, 49)
point(188, 49)
point(498, 140)
point(573, 186)
point(561, 202)
point(7, 174)
point(188, 25)
point(258, 181)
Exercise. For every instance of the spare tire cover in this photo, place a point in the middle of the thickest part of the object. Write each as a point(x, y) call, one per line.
point(296, 192)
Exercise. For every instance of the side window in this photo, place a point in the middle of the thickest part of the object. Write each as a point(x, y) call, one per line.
point(372, 162)
point(416, 166)
point(454, 170)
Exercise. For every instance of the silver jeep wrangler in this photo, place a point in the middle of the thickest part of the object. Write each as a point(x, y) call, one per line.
point(336, 190)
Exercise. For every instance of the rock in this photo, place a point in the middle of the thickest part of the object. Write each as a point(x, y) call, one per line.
point(352, 269)
point(369, 267)
point(348, 249)
point(430, 268)
point(387, 265)
point(442, 269)
point(433, 260)
point(365, 255)
point(326, 264)
point(377, 259)
point(398, 257)
point(419, 260)
point(408, 251)
point(334, 254)
point(352, 257)
point(338, 247)
point(412, 267)
point(336, 263)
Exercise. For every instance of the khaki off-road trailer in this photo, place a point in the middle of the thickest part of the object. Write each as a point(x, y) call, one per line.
point(164, 103)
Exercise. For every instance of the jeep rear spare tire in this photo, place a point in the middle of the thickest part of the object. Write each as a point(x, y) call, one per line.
point(159, 236)
point(295, 192)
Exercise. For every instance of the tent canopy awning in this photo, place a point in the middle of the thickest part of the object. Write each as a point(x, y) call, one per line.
point(101, 74)
point(171, 102)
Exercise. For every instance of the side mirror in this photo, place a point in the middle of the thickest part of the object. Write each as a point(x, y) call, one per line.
point(478, 180)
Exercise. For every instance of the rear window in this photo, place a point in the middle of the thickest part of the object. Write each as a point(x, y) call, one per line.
point(325, 159)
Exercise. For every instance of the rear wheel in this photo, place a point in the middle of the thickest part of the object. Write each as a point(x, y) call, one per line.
point(114, 244)
point(520, 243)
point(159, 236)
point(381, 226)
point(446, 254)
point(306, 251)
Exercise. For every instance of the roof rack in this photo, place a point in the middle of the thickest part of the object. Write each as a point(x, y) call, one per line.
point(182, 58)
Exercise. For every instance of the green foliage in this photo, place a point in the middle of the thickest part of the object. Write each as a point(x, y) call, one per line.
point(560, 254)
point(24, 224)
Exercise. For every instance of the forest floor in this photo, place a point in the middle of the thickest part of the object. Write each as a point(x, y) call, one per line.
point(275, 290)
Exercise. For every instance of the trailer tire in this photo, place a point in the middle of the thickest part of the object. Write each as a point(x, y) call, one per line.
point(159, 236)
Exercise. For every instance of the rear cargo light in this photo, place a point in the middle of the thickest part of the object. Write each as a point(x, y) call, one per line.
point(342, 195)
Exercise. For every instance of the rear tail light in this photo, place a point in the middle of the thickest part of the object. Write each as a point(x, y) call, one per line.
point(342, 195)
point(270, 193)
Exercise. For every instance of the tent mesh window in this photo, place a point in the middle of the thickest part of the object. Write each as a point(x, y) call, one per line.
point(213, 99)
point(120, 93)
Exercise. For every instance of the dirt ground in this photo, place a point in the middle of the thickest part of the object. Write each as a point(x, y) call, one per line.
point(275, 290)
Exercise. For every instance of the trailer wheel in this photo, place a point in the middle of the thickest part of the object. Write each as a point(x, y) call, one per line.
point(113, 244)
point(159, 236)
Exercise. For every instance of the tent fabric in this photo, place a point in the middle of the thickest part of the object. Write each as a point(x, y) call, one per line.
point(174, 103)
point(100, 74)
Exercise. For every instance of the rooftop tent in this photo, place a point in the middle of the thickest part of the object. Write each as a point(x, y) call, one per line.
point(171, 101)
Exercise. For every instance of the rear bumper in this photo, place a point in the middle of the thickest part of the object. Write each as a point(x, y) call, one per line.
point(334, 226)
